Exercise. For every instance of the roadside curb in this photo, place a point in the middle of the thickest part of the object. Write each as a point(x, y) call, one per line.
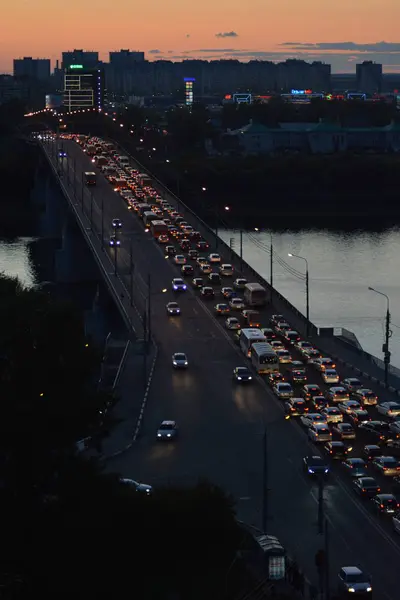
point(141, 413)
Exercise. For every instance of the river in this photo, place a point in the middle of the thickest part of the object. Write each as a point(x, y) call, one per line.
point(15, 259)
point(341, 268)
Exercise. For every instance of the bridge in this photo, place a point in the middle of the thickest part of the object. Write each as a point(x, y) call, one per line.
point(224, 430)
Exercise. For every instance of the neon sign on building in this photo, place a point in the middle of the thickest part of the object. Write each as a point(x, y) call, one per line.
point(189, 81)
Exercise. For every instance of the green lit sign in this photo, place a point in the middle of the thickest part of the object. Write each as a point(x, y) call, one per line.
point(76, 67)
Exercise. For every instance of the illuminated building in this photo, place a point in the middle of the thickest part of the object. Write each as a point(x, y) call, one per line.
point(189, 81)
point(83, 88)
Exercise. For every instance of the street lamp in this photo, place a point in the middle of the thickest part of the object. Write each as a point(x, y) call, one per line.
point(388, 334)
point(307, 292)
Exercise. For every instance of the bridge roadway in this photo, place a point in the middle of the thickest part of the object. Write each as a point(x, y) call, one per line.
point(222, 425)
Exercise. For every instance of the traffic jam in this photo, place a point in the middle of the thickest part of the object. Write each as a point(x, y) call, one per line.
point(352, 430)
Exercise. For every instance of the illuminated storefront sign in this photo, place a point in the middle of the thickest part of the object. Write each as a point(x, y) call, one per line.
point(76, 67)
point(189, 81)
point(242, 98)
point(300, 92)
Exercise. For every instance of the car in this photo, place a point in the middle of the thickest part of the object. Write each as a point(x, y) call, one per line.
point(338, 394)
point(312, 418)
point(330, 376)
point(114, 241)
point(173, 308)
point(227, 292)
point(378, 431)
point(269, 334)
point(389, 409)
point(62, 153)
point(348, 406)
point(163, 239)
point(394, 427)
point(168, 430)
point(242, 374)
point(296, 375)
point(332, 414)
point(226, 270)
point(283, 390)
point(214, 278)
point(207, 292)
point(205, 268)
point(198, 282)
point(366, 397)
point(295, 407)
point(236, 303)
point(386, 465)
point(315, 465)
point(284, 356)
point(222, 309)
point(318, 403)
point(240, 283)
point(309, 390)
point(385, 504)
point(282, 327)
point(358, 416)
point(276, 318)
point(366, 487)
point(324, 363)
point(253, 318)
point(344, 431)
point(277, 345)
point(116, 223)
point(214, 258)
point(179, 360)
point(170, 251)
point(178, 285)
point(274, 377)
point(356, 467)
point(371, 451)
point(303, 346)
point(142, 488)
point(187, 270)
point(180, 259)
point(353, 580)
point(202, 245)
point(193, 254)
point(319, 432)
point(337, 450)
point(292, 336)
point(232, 323)
point(352, 384)
point(311, 355)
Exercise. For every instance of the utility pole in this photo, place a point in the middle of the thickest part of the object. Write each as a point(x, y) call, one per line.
point(265, 482)
point(216, 225)
point(271, 268)
point(149, 312)
point(320, 505)
point(145, 348)
point(74, 177)
point(307, 304)
point(82, 195)
point(115, 257)
point(386, 352)
point(131, 270)
point(327, 582)
point(91, 211)
point(102, 222)
point(241, 248)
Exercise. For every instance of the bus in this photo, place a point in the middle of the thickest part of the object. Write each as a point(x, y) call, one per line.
point(249, 337)
point(255, 294)
point(158, 228)
point(264, 358)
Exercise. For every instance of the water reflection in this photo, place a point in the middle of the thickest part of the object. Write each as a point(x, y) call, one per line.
point(15, 259)
point(341, 266)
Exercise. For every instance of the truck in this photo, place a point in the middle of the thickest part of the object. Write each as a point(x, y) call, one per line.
point(158, 228)
point(255, 294)
point(90, 178)
point(144, 179)
point(148, 217)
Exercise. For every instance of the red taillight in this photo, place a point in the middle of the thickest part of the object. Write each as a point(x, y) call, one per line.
point(364, 490)
point(378, 490)
point(382, 506)
point(292, 408)
point(385, 468)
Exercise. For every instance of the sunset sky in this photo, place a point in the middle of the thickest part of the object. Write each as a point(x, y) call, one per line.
point(341, 32)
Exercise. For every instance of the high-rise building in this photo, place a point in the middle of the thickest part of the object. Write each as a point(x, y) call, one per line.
point(125, 59)
point(32, 68)
point(369, 77)
point(83, 88)
point(89, 60)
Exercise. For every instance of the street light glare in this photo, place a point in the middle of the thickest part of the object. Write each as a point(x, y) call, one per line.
point(289, 254)
point(164, 291)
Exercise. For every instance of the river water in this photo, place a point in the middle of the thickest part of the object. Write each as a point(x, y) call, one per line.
point(341, 268)
point(15, 259)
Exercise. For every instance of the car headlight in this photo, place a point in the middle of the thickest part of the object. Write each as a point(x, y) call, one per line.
point(158, 434)
point(175, 287)
point(184, 287)
point(352, 590)
point(250, 377)
point(369, 589)
point(326, 470)
point(239, 379)
point(175, 363)
point(311, 471)
point(186, 363)
point(168, 435)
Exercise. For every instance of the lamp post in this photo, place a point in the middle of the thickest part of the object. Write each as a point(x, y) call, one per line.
point(307, 292)
point(388, 334)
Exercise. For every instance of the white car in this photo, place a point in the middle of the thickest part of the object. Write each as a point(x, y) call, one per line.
point(179, 259)
point(348, 406)
point(168, 430)
point(319, 432)
point(226, 270)
point(214, 258)
point(178, 285)
point(236, 303)
point(180, 361)
point(277, 345)
point(352, 384)
point(240, 283)
point(389, 409)
point(283, 390)
point(312, 418)
point(173, 308)
point(332, 414)
point(284, 357)
point(143, 488)
point(324, 363)
point(330, 376)
point(302, 347)
point(366, 396)
point(232, 323)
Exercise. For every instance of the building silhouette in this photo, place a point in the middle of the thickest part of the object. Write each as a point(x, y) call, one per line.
point(32, 68)
point(83, 88)
point(369, 77)
point(88, 59)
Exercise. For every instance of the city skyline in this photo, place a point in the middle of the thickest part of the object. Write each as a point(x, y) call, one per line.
point(178, 31)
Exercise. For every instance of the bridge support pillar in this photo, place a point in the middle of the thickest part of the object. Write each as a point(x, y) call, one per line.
point(74, 261)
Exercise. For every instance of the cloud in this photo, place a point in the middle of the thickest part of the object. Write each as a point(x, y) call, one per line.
point(227, 34)
point(155, 51)
point(345, 46)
